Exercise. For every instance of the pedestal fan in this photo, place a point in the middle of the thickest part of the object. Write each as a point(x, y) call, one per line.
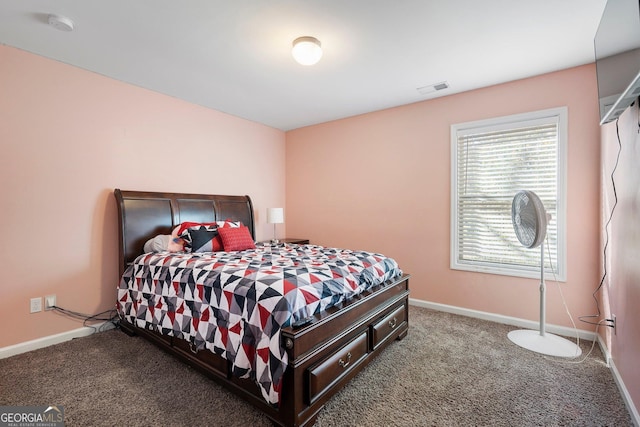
point(529, 220)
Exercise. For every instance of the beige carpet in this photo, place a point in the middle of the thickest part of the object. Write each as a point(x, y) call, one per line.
point(449, 371)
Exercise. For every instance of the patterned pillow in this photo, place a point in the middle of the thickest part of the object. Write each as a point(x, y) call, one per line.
point(183, 228)
point(236, 239)
point(205, 240)
point(203, 237)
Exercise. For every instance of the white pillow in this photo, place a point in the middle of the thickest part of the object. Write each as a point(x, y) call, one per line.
point(159, 243)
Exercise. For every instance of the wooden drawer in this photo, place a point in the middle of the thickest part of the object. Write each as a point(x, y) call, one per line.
point(324, 375)
point(385, 327)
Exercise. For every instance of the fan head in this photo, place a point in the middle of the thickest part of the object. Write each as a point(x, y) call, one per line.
point(529, 218)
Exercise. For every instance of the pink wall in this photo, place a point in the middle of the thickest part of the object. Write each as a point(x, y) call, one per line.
point(381, 181)
point(69, 137)
point(621, 290)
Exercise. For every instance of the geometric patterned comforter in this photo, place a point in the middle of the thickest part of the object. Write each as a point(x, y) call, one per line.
point(235, 303)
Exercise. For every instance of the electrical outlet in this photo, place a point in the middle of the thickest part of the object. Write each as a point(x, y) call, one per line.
point(36, 305)
point(615, 331)
point(49, 302)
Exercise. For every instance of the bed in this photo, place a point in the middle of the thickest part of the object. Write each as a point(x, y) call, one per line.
point(318, 343)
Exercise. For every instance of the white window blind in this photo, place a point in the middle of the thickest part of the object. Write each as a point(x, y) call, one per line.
point(491, 161)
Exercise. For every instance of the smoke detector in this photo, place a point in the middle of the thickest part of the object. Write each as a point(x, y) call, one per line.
point(432, 88)
point(60, 22)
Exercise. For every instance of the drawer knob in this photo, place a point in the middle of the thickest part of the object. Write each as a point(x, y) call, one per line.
point(343, 363)
point(393, 322)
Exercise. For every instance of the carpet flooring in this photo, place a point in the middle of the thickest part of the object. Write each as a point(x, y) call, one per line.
point(449, 371)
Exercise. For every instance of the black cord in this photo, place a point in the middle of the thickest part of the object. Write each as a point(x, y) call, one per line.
point(86, 318)
point(606, 244)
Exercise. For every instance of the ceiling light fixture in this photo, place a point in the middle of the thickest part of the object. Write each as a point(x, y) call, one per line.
point(61, 23)
point(306, 50)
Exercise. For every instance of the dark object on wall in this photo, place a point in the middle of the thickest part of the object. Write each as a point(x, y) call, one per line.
point(617, 50)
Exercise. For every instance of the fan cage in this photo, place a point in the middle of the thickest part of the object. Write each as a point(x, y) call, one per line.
point(529, 219)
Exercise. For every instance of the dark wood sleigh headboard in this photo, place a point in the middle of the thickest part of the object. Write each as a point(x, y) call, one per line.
point(143, 215)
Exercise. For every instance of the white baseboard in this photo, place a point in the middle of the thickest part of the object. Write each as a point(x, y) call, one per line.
point(605, 350)
point(633, 411)
point(507, 320)
point(24, 347)
point(560, 330)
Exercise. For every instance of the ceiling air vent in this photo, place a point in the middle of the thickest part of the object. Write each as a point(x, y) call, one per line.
point(432, 88)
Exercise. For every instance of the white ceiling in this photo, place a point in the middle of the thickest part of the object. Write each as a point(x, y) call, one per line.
point(234, 55)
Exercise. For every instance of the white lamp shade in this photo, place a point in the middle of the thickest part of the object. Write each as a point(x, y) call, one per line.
point(306, 50)
point(275, 215)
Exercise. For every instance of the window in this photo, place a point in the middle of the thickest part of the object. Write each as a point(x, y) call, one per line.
point(491, 161)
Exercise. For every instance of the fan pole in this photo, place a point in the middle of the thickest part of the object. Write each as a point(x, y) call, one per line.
point(543, 299)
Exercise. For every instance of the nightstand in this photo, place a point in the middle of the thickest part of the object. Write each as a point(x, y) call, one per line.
point(292, 241)
point(296, 241)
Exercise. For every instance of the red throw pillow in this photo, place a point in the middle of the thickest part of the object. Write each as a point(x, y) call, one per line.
point(236, 238)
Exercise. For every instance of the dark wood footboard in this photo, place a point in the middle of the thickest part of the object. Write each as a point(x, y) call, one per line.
point(323, 355)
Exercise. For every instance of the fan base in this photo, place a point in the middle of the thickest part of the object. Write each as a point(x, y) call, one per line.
point(548, 344)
